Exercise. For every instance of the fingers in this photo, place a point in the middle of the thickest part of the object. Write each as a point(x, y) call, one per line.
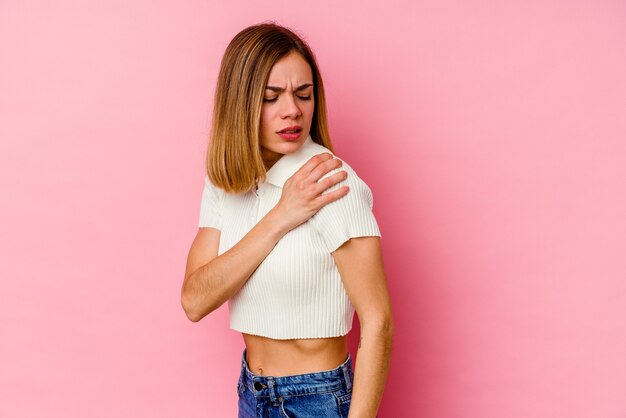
point(313, 162)
point(329, 182)
point(329, 197)
point(322, 169)
point(316, 168)
point(311, 173)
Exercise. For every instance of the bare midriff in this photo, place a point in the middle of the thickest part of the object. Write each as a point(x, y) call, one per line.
point(270, 357)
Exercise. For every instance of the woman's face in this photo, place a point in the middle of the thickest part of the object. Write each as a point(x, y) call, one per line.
point(288, 102)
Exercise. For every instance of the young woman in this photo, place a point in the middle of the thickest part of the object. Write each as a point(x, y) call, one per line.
point(287, 236)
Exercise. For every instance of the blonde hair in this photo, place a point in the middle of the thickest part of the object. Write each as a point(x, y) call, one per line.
point(233, 160)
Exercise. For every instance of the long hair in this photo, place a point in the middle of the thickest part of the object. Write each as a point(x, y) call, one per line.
point(233, 160)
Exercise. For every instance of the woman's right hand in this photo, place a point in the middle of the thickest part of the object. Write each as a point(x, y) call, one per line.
point(302, 193)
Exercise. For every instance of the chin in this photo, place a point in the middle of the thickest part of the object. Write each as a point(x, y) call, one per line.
point(288, 147)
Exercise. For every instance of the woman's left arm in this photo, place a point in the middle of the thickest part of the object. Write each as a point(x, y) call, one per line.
point(360, 265)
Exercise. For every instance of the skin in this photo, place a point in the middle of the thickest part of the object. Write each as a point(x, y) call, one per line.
point(294, 105)
point(281, 109)
point(211, 280)
point(360, 265)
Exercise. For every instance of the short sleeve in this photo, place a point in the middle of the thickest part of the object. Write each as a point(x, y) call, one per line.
point(348, 217)
point(211, 206)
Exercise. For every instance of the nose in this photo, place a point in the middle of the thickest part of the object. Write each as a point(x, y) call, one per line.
point(290, 108)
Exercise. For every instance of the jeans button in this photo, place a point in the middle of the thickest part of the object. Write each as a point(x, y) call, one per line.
point(258, 385)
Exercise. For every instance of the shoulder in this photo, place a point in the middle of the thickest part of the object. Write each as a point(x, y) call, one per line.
point(316, 148)
point(212, 192)
point(353, 181)
point(209, 185)
point(349, 216)
point(311, 149)
point(211, 205)
point(359, 189)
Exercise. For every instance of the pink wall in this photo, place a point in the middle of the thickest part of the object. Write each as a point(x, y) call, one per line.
point(491, 133)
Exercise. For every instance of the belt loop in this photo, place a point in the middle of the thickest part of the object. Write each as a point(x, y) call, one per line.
point(272, 390)
point(345, 368)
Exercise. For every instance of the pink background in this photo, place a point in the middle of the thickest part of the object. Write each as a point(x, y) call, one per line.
point(492, 134)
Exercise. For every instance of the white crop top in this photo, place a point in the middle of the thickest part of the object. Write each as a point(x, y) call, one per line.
point(296, 292)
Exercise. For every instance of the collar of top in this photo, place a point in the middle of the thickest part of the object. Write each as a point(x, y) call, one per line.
point(288, 164)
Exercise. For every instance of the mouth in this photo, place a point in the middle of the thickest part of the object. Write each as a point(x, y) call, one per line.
point(291, 130)
point(290, 133)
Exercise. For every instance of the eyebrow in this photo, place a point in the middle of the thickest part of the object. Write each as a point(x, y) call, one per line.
point(280, 89)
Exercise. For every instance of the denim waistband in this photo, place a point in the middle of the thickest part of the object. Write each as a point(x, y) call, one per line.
point(299, 384)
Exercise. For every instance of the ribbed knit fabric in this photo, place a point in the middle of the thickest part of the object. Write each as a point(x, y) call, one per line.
point(296, 292)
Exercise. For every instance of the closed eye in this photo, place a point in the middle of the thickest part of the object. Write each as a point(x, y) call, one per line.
point(276, 98)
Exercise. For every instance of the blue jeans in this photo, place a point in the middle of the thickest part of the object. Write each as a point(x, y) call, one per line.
point(321, 394)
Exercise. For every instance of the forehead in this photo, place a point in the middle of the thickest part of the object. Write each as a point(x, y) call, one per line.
point(290, 69)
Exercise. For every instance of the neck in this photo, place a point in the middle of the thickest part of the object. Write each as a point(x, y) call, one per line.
point(269, 158)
